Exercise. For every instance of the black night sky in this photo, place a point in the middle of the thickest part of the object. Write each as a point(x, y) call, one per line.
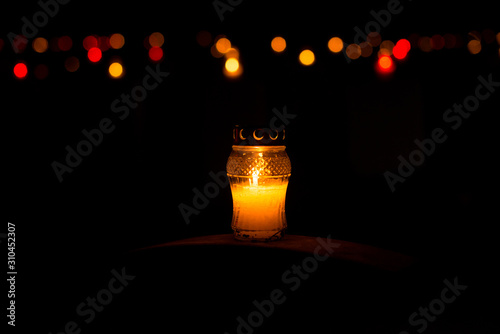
point(166, 126)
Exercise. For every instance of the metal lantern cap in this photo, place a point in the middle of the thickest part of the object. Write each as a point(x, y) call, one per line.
point(258, 136)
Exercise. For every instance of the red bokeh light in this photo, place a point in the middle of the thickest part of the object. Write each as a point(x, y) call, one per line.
point(155, 53)
point(401, 49)
point(64, 43)
point(385, 65)
point(90, 42)
point(20, 70)
point(94, 54)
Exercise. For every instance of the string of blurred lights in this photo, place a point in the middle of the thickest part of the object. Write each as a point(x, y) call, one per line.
point(94, 46)
point(221, 47)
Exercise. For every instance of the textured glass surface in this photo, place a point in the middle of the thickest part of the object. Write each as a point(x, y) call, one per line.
point(266, 161)
point(259, 179)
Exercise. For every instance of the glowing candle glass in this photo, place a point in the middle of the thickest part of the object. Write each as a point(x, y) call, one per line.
point(258, 170)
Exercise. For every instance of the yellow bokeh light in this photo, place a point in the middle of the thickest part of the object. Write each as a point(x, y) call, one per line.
point(223, 45)
point(474, 46)
point(156, 39)
point(335, 44)
point(232, 65)
point(40, 44)
point(278, 44)
point(115, 70)
point(306, 57)
point(116, 41)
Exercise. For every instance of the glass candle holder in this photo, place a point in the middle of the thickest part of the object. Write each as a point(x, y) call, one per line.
point(258, 169)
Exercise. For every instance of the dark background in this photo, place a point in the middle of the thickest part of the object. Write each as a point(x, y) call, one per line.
point(350, 127)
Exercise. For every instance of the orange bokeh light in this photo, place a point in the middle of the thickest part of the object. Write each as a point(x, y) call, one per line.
point(40, 44)
point(156, 39)
point(116, 41)
point(278, 44)
point(335, 44)
point(223, 45)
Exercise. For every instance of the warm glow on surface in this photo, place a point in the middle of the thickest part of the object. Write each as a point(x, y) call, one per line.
point(335, 44)
point(232, 65)
point(223, 45)
point(258, 176)
point(306, 57)
point(116, 41)
point(115, 70)
point(256, 205)
point(278, 44)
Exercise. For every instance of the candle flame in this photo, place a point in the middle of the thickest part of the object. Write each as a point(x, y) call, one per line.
point(255, 178)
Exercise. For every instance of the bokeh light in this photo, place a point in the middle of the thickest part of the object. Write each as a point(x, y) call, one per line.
point(64, 43)
point(116, 41)
point(449, 41)
point(335, 44)
point(41, 71)
point(306, 57)
point(232, 68)
point(20, 70)
point(366, 49)
point(353, 51)
point(232, 53)
point(424, 43)
point(155, 54)
point(474, 46)
point(94, 54)
point(103, 43)
point(386, 48)
point(374, 39)
point(40, 44)
point(401, 49)
point(278, 44)
point(156, 39)
point(215, 53)
point(115, 70)
point(385, 65)
point(71, 64)
point(223, 45)
point(204, 38)
point(90, 42)
point(232, 65)
point(437, 42)
point(20, 42)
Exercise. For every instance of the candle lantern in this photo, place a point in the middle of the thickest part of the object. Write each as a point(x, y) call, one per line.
point(258, 169)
